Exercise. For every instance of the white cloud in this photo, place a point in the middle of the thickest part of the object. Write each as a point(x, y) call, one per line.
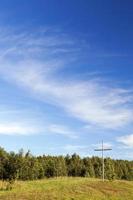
point(94, 102)
point(61, 130)
point(28, 122)
point(90, 102)
point(17, 129)
point(126, 140)
point(25, 128)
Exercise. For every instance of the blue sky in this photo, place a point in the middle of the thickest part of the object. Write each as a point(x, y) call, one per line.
point(66, 76)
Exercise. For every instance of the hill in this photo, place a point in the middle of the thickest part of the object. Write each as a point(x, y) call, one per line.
point(69, 189)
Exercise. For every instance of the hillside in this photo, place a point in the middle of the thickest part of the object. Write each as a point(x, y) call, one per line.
point(70, 189)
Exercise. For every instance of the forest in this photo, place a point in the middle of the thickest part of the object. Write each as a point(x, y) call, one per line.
point(25, 166)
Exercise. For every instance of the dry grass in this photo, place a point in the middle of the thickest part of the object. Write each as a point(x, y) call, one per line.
point(69, 189)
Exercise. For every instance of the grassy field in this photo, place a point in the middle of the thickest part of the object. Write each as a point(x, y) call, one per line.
point(69, 189)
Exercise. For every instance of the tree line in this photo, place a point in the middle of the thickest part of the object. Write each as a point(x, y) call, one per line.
point(25, 166)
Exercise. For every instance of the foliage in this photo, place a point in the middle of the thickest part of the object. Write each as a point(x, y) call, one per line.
point(25, 166)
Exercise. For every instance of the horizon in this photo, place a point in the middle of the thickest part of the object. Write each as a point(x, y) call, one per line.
point(66, 77)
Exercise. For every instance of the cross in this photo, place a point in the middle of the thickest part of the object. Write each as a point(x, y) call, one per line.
point(103, 149)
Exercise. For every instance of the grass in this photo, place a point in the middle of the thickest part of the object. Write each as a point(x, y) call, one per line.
point(69, 189)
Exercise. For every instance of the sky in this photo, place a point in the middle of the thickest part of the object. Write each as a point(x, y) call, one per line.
point(66, 76)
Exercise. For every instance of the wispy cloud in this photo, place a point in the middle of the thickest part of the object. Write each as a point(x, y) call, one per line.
point(126, 140)
point(17, 129)
point(42, 44)
point(28, 122)
point(61, 130)
point(31, 65)
point(91, 101)
point(21, 127)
